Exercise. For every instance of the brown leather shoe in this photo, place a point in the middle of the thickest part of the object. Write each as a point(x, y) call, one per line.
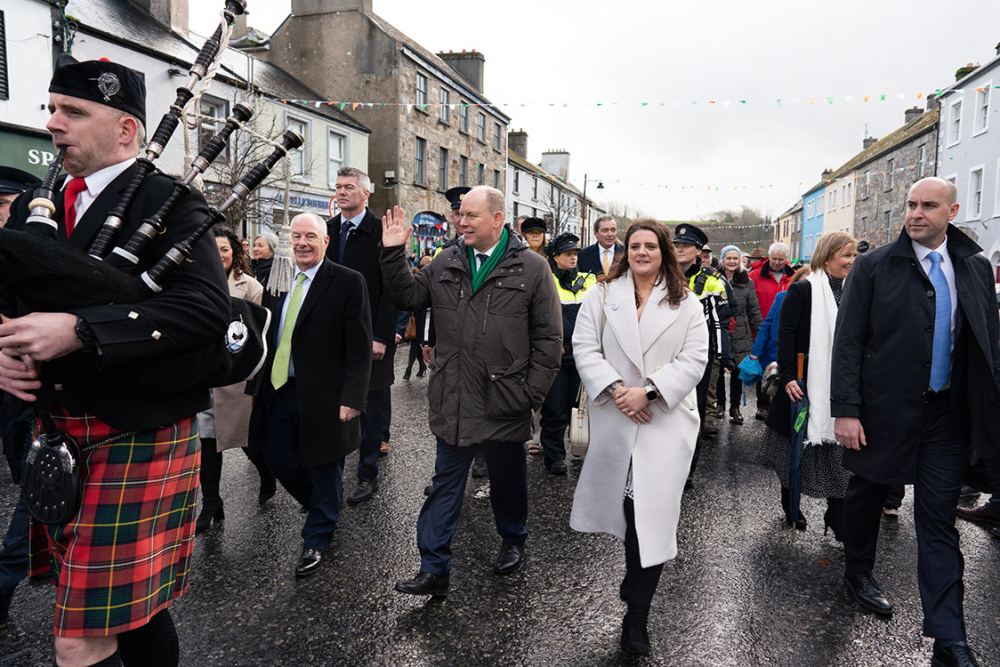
point(995, 532)
point(984, 513)
point(383, 449)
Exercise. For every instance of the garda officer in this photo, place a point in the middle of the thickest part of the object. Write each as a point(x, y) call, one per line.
point(711, 289)
point(571, 285)
point(454, 197)
point(12, 183)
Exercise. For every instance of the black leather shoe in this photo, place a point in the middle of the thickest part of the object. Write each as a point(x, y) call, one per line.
point(211, 511)
point(735, 416)
point(510, 558)
point(308, 562)
point(635, 637)
point(479, 468)
point(267, 490)
point(866, 593)
point(362, 492)
point(559, 468)
point(957, 655)
point(428, 489)
point(424, 583)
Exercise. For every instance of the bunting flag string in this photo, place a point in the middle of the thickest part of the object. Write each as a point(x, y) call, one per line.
point(781, 102)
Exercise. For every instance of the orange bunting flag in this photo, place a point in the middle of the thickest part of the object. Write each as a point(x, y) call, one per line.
point(867, 97)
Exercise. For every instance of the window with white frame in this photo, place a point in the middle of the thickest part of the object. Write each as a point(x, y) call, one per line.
point(482, 174)
point(996, 194)
point(214, 108)
point(888, 224)
point(890, 170)
point(865, 182)
point(444, 114)
point(336, 152)
point(420, 161)
point(300, 156)
point(819, 205)
point(921, 160)
point(975, 193)
point(421, 88)
point(534, 189)
point(517, 181)
point(833, 199)
point(983, 107)
point(443, 168)
point(955, 126)
point(496, 178)
point(463, 115)
point(497, 136)
point(463, 170)
point(850, 186)
point(482, 127)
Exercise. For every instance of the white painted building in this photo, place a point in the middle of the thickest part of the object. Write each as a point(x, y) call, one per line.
point(969, 153)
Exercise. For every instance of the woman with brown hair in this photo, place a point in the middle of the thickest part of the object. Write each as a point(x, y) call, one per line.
point(533, 230)
point(225, 425)
point(641, 347)
point(805, 325)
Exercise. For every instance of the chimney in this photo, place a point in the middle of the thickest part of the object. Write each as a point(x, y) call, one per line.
point(307, 7)
point(556, 163)
point(827, 173)
point(870, 141)
point(470, 64)
point(911, 114)
point(239, 28)
point(172, 14)
point(518, 142)
point(963, 72)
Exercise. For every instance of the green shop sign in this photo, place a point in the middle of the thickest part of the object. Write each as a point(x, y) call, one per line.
point(30, 152)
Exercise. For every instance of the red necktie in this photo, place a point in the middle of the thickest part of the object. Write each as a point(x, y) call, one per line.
point(73, 190)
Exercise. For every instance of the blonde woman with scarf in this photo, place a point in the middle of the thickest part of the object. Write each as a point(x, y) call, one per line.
point(807, 318)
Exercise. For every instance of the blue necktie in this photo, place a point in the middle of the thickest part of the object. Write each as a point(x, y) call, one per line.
point(941, 354)
point(345, 230)
point(483, 258)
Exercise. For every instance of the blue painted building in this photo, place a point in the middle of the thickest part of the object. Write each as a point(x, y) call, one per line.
point(813, 207)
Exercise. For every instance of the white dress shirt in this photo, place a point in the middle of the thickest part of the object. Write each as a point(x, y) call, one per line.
point(488, 253)
point(310, 276)
point(610, 254)
point(947, 268)
point(353, 222)
point(96, 183)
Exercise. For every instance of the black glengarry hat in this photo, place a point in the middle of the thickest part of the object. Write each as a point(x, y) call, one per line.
point(690, 234)
point(533, 225)
point(101, 81)
point(456, 195)
point(14, 181)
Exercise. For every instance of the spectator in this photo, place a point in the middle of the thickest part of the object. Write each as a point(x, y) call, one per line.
point(601, 256)
point(743, 326)
point(769, 278)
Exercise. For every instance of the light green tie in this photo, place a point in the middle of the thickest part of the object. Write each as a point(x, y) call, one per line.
point(279, 371)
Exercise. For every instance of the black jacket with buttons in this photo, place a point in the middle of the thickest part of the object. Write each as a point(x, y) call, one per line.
point(496, 351)
point(882, 357)
point(192, 309)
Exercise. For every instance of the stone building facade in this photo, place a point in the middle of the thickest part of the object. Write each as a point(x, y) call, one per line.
point(886, 170)
point(432, 128)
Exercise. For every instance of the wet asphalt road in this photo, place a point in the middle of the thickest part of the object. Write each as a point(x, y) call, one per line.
point(743, 591)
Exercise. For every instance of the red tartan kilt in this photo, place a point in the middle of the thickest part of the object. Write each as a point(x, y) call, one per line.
point(126, 554)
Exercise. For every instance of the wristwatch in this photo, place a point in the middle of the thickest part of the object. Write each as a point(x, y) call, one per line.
point(651, 393)
point(610, 389)
point(85, 334)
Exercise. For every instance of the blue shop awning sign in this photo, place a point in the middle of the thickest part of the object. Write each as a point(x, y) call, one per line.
point(429, 223)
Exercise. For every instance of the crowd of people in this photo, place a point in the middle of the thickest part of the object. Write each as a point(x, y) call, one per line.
point(875, 371)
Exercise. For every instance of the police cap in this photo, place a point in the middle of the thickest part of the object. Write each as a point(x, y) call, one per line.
point(14, 181)
point(690, 234)
point(533, 225)
point(562, 243)
point(455, 196)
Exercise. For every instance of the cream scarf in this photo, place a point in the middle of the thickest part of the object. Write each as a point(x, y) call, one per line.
point(822, 320)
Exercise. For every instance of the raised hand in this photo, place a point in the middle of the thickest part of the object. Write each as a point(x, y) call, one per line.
point(394, 229)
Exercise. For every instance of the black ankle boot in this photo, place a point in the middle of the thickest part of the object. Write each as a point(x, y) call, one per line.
point(211, 510)
point(833, 518)
point(635, 637)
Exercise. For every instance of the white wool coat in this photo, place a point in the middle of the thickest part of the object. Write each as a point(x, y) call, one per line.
point(668, 347)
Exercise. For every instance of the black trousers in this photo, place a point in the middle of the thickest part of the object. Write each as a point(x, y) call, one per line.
point(640, 582)
point(941, 463)
point(211, 469)
point(556, 411)
point(701, 392)
point(416, 354)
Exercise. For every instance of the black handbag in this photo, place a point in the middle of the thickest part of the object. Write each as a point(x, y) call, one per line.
point(52, 485)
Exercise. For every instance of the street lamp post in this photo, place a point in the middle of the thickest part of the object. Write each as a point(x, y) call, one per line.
point(584, 209)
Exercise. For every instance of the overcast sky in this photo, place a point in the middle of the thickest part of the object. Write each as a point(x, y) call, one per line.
point(582, 53)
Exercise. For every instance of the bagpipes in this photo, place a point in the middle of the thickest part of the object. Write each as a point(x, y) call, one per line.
point(55, 277)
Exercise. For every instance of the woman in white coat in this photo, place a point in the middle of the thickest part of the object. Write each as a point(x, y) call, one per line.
point(641, 346)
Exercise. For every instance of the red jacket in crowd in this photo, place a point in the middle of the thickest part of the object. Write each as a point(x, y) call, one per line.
point(767, 286)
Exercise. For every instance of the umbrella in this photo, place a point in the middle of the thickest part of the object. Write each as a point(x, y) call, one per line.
point(800, 411)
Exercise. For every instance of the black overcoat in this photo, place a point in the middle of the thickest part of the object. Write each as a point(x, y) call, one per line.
point(192, 309)
point(362, 255)
point(882, 357)
point(331, 352)
point(793, 338)
point(588, 260)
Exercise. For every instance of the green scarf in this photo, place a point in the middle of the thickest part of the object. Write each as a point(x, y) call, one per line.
point(480, 275)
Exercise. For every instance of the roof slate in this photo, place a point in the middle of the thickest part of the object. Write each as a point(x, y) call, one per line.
point(124, 23)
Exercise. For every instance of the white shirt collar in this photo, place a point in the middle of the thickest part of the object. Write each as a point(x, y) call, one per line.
point(356, 220)
point(489, 252)
point(310, 272)
point(102, 178)
point(922, 251)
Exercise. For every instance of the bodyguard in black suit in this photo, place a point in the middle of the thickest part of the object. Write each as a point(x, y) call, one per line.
point(915, 393)
point(320, 363)
point(355, 235)
point(591, 259)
